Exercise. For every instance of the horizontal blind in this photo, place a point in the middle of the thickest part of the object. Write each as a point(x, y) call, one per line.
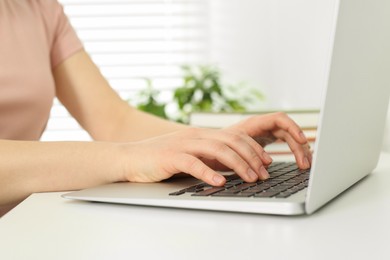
point(132, 40)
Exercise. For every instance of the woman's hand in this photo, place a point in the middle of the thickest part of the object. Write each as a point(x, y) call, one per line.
point(267, 128)
point(190, 151)
point(199, 152)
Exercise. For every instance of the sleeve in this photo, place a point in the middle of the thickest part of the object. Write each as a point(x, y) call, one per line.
point(65, 40)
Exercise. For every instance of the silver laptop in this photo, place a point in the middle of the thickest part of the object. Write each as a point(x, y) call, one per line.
point(349, 140)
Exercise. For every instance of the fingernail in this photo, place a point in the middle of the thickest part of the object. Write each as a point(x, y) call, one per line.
point(252, 174)
point(264, 173)
point(218, 179)
point(306, 162)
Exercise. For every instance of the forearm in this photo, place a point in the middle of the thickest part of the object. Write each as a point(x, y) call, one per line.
point(136, 125)
point(97, 107)
point(28, 167)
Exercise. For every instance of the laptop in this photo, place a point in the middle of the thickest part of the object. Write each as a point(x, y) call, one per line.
point(349, 138)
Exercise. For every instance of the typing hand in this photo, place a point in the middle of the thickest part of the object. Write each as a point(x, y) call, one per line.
point(267, 128)
point(196, 152)
point(200, 152)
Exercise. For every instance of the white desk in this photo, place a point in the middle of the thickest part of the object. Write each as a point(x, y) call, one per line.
point(354, 226)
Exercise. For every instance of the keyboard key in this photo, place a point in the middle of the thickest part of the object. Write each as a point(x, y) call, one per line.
point(235, 182)
point(249, 192)
point(245, 186)
point(265, 185)
point(232, 177)
point(208, 192)
point(285, 179)
point(283, 195)
point(236, 195)
point(176, 193)
point(266, 194)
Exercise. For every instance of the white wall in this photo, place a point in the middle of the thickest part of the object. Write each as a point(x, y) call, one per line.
point(279, 46)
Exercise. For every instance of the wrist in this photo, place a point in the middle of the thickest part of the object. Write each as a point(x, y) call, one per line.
point(120, 157)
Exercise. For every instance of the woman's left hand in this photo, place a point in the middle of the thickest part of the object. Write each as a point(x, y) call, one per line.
point(269, 127)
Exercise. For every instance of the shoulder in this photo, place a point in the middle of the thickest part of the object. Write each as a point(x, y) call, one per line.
point(62, 37)
point(49, 8)
point(53, 17)
point(47, 4)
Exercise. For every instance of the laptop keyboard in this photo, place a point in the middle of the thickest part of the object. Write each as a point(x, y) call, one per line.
point(285, 179)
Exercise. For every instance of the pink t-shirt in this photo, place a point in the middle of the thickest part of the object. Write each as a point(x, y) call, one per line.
point(35, 36)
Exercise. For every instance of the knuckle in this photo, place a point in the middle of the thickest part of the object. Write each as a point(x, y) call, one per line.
point(238, 131)
point(240, 166)
point(244, 173)
point(280, 114)
point(255, 159)
point(235, 138)
point(253, 154)
point(197, 168)
point(203, 172)
point(295, 149)
point(193, 131)
point(192, 164)
point(219, 147)
point(242, 134)
point(281, 117)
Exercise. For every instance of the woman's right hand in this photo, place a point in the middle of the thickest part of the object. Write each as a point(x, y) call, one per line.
point(194, 151)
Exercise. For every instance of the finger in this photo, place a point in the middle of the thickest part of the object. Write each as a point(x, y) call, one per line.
point(214, 164)
point(264, 124)
point(293, 135)
point(281, 121)
point(264, 156)
point(191, 165)
point(247, 148)
point(309, 153)
point(215, 149)
point(264, 140)
point(301, 151)
point(286, 123)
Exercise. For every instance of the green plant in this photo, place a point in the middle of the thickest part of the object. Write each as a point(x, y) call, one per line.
point(148, 101)
point(201, 91)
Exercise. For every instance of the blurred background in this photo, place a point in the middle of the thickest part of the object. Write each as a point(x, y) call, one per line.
point(278, 47)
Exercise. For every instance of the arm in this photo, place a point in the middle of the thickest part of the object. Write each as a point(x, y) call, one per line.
point(97, 107)
point(158, 148)
point(105, 116)
point(27, 167)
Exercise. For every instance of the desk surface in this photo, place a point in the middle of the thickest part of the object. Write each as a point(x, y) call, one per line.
point(354, 226)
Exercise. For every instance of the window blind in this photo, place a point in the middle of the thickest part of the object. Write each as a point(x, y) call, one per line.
point(133, 40)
